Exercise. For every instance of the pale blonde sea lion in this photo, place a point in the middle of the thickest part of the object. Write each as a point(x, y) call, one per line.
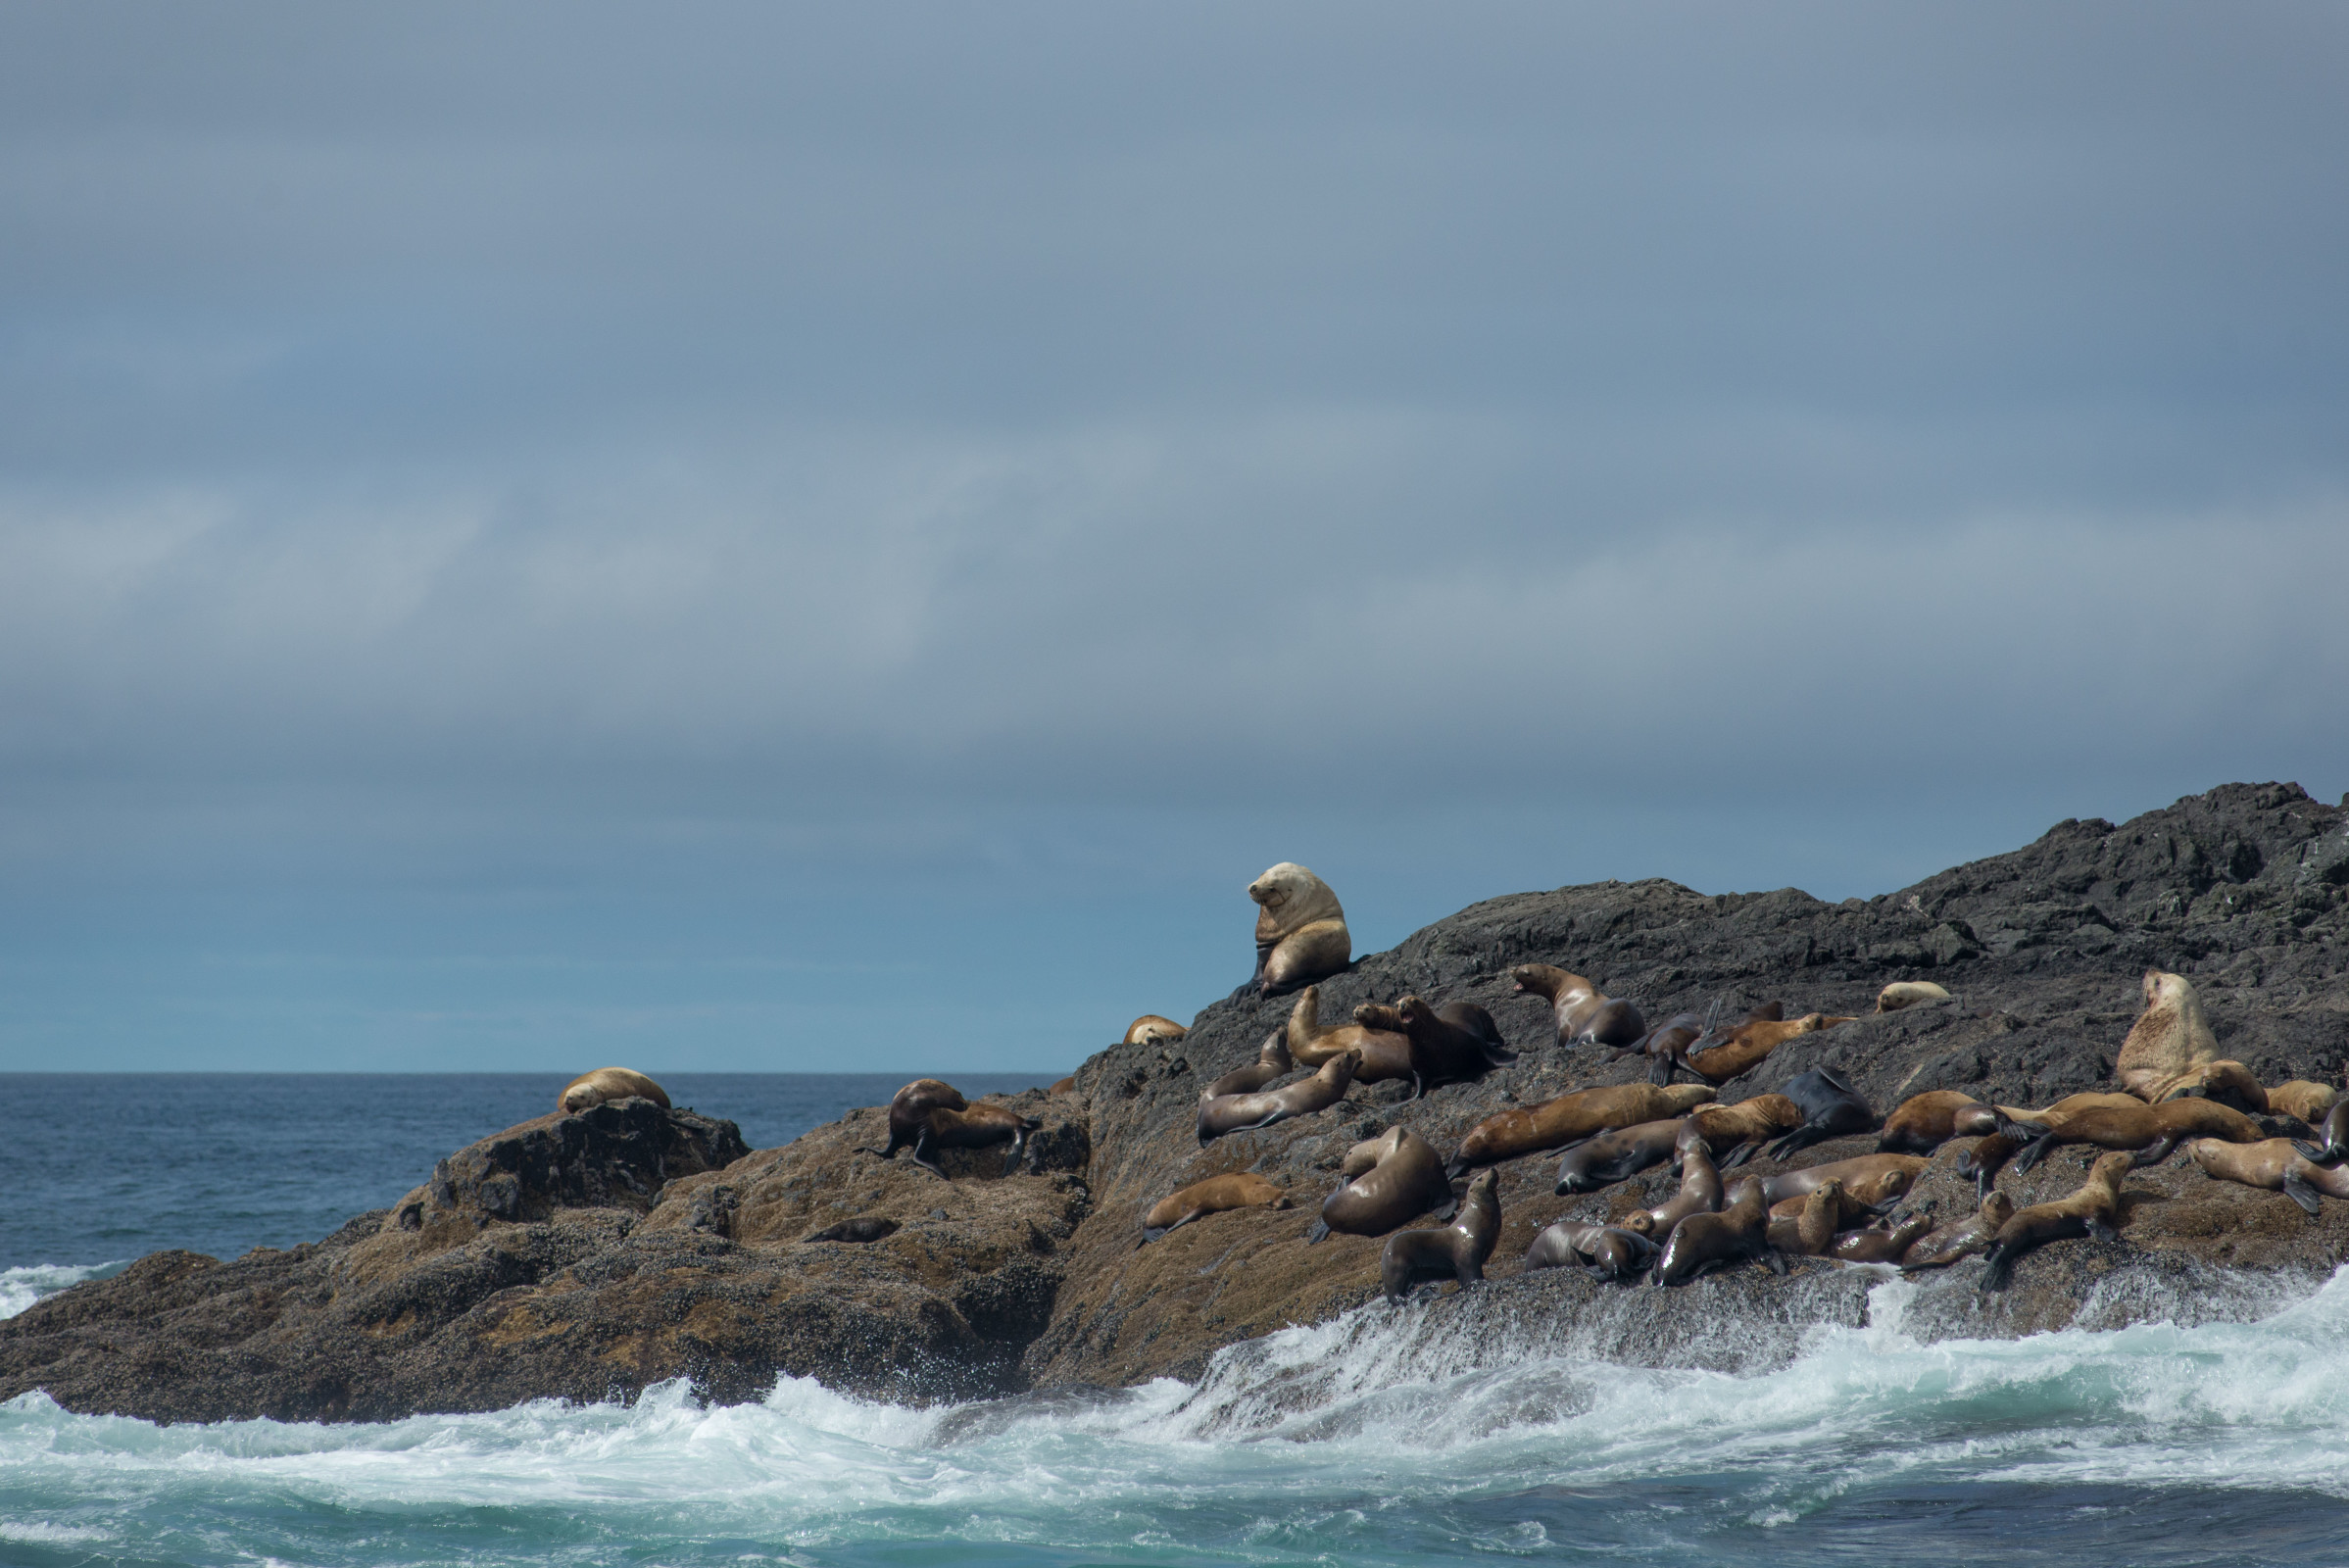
point(2170, 1051)
point(1908, 994)
point(608, 1083)
point(2302, 1098)
point(1300, 932)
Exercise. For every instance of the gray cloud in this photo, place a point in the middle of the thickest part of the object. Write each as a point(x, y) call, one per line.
point(589, 480)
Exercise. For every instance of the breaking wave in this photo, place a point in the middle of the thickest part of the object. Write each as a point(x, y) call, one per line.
point(1361, 1440)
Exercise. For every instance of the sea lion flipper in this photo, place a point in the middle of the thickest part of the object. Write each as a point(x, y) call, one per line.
point(1149, 1234)
point(2001, 1269)
point(2102, 1230)
point(1319, 1233)
point(2033, 1151)
point(2153, 1155)
point(1447, 1209)
point(2297, 1189)
point(1737, 1156)
point(2313, 1153)
point(1775, 1261)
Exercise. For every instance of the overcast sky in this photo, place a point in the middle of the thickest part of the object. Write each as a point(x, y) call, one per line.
point(839, 538)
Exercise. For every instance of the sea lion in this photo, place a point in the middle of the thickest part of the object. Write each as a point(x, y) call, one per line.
point(1231, 1114)
point(1583, 1016)
point(1384, 1181)
point(1385, 1053)
point(1064, 1086)
point(1232, 1190)
point(2170, 1051)
point(1908, 994)
point(1584, 1113)
point(2091, 1210)
point(1830, 1108)
point(1737, 1131)
point(1871, 1180)
point(1301, 931)
point(1607, 1253)
point(1963, 1238)
point(591, 1089)
point(1923, 1123)
point(1150, 1029)
point(1615, 1156)
point(2152, 1130)
point(1458, 1251)
point(863, 1228)
point(2301, 1098)
point(1991, 1153)
point(930, 1117)
point(1450, 1043)
point(1272, 1062)
point(1720, 1056)
point(1700, 1194)
point(2275, 1164)
point(1805, 1226)
point(2333, 1138)
point(1709, 1241)
point(1881, 1243)
point(1664, 1045)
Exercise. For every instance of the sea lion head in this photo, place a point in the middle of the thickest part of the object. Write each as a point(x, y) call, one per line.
point(1413, 1012)
point(2165, 989)
point(1293, 896)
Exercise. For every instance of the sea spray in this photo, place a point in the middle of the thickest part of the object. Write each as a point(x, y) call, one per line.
point(1367, 1440)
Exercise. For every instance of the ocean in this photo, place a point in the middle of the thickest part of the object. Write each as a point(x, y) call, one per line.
point(2218, 1444)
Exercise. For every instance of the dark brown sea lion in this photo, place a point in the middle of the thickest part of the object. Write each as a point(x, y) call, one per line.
point(1231, 1114)
point(1710, 1240)
point(932, 1116)
point(1301, 931)
point(1385, 1053)
point(1830, 1108)
point(1963, 1238)
point(2333, 1138)
point(1607, 1253)
point(863, 1228)
point(2092, 1210)
point(1665, 1044)
point(1870, 1179)
point(1449, 1043)
point(1583, 1016)
point(1234, 1190)
point(591, 1089)
point(1384, 1181)
point(1456, 1251)
point(1923, 1123)
point(1737, 1131)
point(1908, 994)
point(1150, 1028)
point(1615, 1156)
point(2152, 1130)
point(1700, 1194)
point(1885, 1243)
point(1272, 1063)
point(2275, 1164)
point(1584, 1113)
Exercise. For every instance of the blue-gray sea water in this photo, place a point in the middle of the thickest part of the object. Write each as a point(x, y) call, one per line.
point(2153, 1444)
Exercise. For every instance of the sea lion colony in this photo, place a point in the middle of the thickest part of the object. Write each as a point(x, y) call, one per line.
point(2176, 1092)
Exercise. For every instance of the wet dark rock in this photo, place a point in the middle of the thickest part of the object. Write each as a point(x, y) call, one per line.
point(585, 1256)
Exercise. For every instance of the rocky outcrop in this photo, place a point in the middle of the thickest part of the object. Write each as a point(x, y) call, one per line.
point(594, 1255)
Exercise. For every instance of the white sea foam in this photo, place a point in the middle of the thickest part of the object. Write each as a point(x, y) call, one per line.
point(1312, 1434)
point(20, 1288)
